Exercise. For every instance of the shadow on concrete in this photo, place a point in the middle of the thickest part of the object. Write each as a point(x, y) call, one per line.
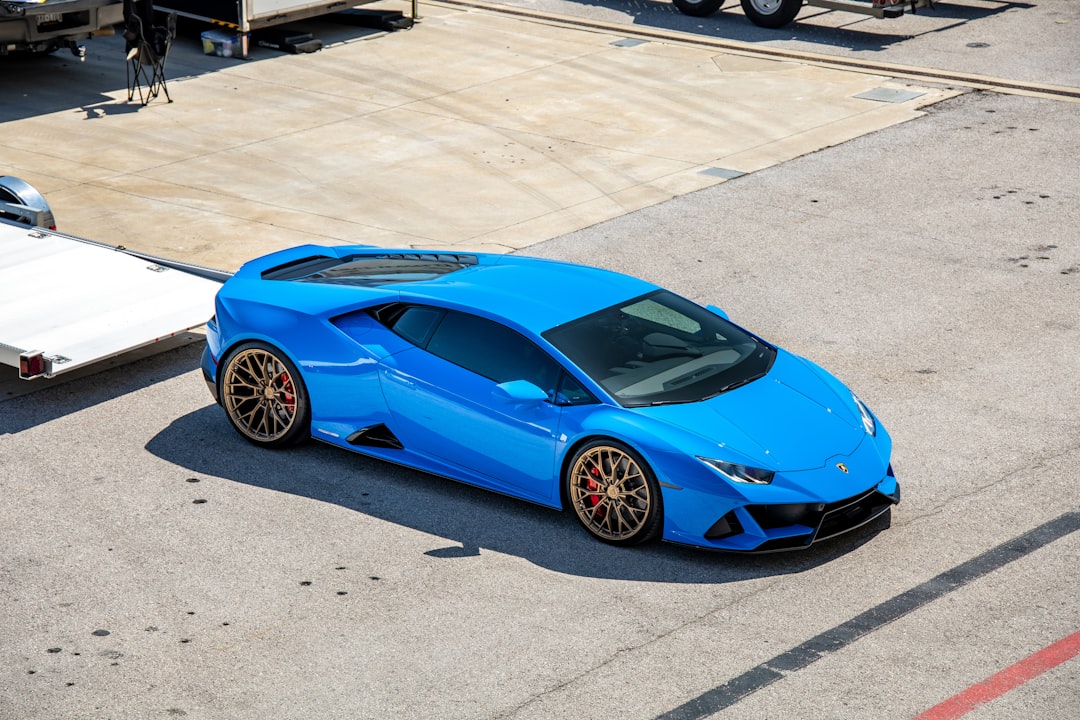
point(468, 518)
point(730, 23)
point(98, 87)
point(38, 85)
point(27, 403)
point(35, 85)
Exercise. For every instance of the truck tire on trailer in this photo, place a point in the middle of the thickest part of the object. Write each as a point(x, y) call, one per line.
point(771, 13)
point(698, 8)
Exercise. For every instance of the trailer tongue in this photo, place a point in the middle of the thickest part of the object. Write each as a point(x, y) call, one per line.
point(66, 302)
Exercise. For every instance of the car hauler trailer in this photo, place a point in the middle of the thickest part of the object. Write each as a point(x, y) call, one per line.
point(67, 302)
point(778, 13)
point(42, 26)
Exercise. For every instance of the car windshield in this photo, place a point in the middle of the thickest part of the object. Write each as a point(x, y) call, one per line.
point(660, 348)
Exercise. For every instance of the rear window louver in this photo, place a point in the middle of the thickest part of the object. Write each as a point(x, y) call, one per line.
point(300, 268)
point(370, 270)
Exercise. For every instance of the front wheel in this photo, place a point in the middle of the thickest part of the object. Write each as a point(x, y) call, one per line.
point(771, 13)
point(614, 493)
point(698, 8)
point(264, 396)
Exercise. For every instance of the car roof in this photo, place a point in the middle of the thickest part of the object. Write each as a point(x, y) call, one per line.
point(533, 293)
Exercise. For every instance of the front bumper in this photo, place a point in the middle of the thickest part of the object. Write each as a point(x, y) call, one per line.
point(763, 528)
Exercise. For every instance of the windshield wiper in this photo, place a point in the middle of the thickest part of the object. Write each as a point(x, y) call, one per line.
point(737, 384)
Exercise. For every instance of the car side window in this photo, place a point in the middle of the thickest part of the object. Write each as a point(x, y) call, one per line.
point(494, 351)
point(416, 323)
point(571, 392)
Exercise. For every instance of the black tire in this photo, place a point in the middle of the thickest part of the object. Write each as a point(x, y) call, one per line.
point(698, 8)
point(771, 13)
point(264, 396)
point(614, 494)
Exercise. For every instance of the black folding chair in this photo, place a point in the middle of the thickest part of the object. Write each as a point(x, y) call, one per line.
point(147, 46)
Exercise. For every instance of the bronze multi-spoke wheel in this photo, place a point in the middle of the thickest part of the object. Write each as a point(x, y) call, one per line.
point(264, 396)
point(614, 494)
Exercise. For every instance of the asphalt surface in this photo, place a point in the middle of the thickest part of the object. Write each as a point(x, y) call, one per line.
point(155, 565)
point(1029, 41)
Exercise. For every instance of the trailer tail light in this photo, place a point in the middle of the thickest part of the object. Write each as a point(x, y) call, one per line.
point(31, 365)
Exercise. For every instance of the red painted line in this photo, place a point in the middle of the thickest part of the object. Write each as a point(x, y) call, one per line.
point(1000, 683)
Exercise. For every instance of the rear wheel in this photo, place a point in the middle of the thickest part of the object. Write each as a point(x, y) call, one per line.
point(771, 13)
point(614, 494)
point(264, 396)
point(698, 8)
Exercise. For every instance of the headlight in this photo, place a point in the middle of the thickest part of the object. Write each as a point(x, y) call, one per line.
point(739, 473)
point(867, 419)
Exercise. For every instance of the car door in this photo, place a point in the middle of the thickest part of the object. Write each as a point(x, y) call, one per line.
point(442, 394)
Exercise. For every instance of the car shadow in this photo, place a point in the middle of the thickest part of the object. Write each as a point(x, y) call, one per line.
point(470, 520)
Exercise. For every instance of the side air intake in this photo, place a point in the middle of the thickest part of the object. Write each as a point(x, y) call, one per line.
point(375, 436)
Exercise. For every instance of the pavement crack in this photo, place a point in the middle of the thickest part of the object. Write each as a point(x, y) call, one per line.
point(622, 652)
point(1024, 468)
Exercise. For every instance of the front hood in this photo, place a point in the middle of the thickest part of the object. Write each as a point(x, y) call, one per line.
point(786, 421)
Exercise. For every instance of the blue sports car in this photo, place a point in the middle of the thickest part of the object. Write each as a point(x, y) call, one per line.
point(572, 387)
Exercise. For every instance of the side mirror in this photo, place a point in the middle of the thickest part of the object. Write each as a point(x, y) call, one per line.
point(717, 311)
point(519, 391)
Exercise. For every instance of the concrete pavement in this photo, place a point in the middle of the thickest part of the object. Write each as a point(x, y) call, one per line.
point(471, 130)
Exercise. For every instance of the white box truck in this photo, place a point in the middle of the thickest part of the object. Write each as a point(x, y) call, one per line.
point(43, 26)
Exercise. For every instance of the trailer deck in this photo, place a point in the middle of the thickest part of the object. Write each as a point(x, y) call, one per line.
point(66, 302)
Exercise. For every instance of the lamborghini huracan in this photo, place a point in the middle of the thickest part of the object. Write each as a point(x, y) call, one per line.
point(645, 414)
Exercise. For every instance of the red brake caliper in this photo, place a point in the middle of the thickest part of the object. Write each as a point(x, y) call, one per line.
point(286, 387)
point(594, 500)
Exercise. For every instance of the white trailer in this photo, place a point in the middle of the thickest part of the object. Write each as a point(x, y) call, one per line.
point(244, 16)
point(67, 302)
point(778, 13)
point(241, 17)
